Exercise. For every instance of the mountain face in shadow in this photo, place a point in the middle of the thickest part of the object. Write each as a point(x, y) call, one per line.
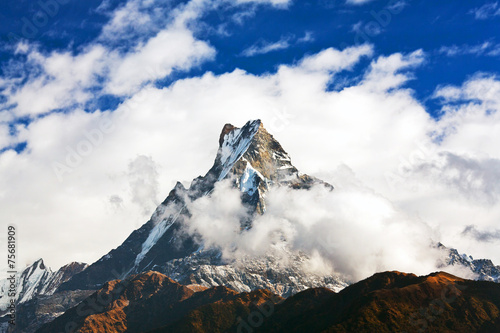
point(151, 300)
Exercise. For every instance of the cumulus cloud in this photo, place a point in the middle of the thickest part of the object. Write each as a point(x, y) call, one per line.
point(436, 176)
point(171, 49)
point(352, 230)
point(64, 81)
point(160, 39)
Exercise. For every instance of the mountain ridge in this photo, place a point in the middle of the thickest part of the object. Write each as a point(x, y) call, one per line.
point(253, 161)
point(39, 279)
point(385, 302)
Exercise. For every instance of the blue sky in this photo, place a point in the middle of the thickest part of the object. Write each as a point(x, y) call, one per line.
point(104, 105)
point(460, 37)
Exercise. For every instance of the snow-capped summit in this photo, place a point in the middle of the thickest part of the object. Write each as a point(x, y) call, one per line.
point(38, 279)
point(254, 161)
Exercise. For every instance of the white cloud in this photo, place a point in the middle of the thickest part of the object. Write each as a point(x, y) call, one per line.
point(5, 137)
point(328, 226)
point(64, 81)
point(420, 169)
point(332, 60)
point(143, 180)
point(171, 49)
point(358, 2)
point(266, 47)
point(164, 42)
point(129, 20)
point(486, 11)
point(486, 48)
point(285, 42)
point(308, 37)
point(277, 3)
point(388, 72)
point(366, 126)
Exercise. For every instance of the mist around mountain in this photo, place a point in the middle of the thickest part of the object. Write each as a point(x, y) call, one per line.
point(252, 222)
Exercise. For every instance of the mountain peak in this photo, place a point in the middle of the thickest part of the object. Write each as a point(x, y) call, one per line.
point(228, 128)
point(251, 160)
point(39, 263)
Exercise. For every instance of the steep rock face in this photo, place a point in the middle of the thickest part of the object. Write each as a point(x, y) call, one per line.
point(143, 302)
point(38, 279)
point(255, 162)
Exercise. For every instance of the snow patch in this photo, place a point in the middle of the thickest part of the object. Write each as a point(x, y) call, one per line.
point(155, 234)
point(248, 180)
point(235, 145)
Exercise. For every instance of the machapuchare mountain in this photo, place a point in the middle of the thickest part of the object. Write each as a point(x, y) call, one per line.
point(386, 302)
point(256, 162)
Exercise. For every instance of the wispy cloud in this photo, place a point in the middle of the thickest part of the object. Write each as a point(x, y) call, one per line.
point(285, 42)
point(486, 48)
point(266, 47)
point(486, 11)
point(308, 37)
point(358, 2)
point(482, 236)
